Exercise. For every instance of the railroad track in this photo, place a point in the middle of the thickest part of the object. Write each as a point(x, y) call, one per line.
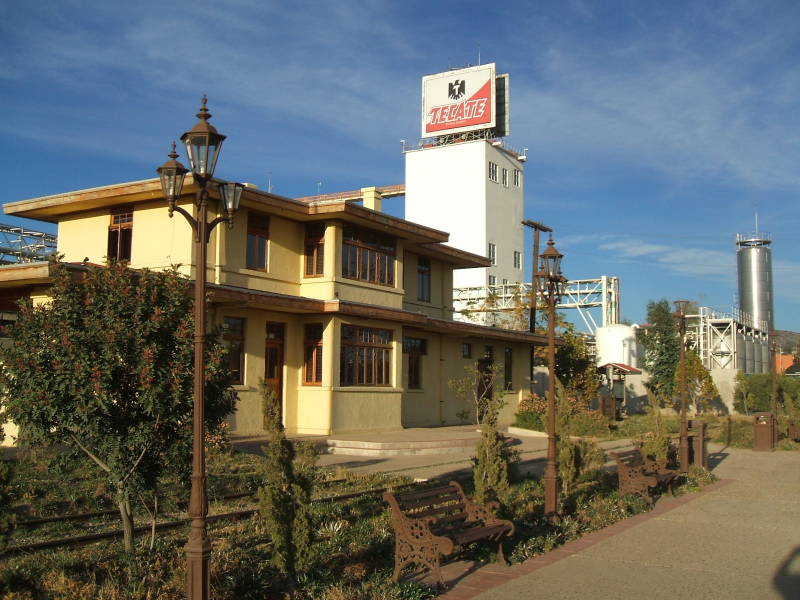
point(81, 540)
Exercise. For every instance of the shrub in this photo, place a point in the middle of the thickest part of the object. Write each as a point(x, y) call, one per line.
point(285, 498)
point(529, 420)
point(578, 463)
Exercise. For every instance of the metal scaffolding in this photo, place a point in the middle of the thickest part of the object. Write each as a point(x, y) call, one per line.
point(730, 340)
point(18, 244)
point(580, 294)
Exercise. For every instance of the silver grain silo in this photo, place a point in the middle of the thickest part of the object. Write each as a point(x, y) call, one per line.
point(754, 266)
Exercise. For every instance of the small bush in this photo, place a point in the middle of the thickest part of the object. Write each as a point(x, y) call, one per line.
point(529, 420)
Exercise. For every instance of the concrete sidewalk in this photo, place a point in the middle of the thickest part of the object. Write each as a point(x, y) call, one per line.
point(740, 538)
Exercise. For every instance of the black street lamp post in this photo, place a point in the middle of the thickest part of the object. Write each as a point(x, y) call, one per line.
point(683, 450)
point(551, 283)
point(202, 144)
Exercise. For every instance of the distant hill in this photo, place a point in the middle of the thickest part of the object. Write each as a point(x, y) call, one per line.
point(789, 341)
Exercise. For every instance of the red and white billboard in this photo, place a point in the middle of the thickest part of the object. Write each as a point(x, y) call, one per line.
point(462, 100)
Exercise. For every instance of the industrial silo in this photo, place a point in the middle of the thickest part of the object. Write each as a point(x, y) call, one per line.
point(754, 266)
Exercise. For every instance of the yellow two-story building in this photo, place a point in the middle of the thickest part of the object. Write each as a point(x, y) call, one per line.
point(345, 311)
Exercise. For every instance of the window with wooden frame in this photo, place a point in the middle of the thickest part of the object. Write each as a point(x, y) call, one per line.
point(508, 368)
point(120, 234)
point(368, 256)
point(466, 350)
point(315, 250)
point(366, 356)
point(233, 339)
point(415, 348)
point(312, 363)
point(257, 238)
point(424, 279)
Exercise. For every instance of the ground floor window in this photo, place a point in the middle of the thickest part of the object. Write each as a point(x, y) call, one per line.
point(415, 348)
point(366, 356)
point(233, 338)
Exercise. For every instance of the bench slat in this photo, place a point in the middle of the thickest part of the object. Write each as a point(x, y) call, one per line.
point(444, 511)
point(441, 499)
point(407, 496)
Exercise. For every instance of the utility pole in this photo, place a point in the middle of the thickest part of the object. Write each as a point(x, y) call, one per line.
point(537, 227)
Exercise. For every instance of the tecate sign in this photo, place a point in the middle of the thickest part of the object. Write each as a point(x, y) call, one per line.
point(460, 100)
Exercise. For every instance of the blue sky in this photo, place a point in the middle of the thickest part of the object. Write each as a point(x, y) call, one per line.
point(654, 129)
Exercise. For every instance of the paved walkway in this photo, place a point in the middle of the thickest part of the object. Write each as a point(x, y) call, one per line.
point(738, 539)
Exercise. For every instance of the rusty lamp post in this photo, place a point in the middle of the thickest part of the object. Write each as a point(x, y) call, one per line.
point(203, 144)
point(551, 283)
point(683, 450)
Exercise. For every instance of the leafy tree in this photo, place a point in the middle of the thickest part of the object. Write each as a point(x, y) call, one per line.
point(6, 516)
point(661, 349)
point(753, 393)
point(285, 499)
point(575, 368)
point(105, 368)
point(701, 388)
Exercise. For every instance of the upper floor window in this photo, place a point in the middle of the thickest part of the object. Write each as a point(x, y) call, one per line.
point(315, 250)
point(492, 280)
point(492, 253)
point(517, 259)
point(424, 279)
point(517, 177)
point(368, 256)
point(416, 348)
point(257, 236)
point(120, 234)
point(505, 177)
point(312, 364)
point(493, 171)
point(366, 356)
point(233, 338)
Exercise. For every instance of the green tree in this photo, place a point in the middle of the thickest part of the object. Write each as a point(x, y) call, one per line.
point(661, 349)
point(575, 368)
point(6, 516)
point(105, 368)
point(701, 388)
point(753, 393)
point(289, 473)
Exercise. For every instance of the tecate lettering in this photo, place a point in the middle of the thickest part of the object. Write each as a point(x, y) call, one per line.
point(449, 113)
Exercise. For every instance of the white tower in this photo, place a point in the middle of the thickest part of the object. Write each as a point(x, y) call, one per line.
point(462, 180)
point(474, 191)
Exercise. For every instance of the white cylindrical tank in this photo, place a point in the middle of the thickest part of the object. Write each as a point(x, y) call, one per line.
point(617, 344)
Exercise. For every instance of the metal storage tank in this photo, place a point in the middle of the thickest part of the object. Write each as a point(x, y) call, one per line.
point(750, 357)
point(754, 268)
point(617, 344)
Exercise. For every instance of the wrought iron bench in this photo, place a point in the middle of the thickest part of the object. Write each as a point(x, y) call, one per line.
point(440, 521)
point(638, 475)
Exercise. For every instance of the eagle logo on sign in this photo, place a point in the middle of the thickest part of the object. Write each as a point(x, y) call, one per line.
point(456, 89)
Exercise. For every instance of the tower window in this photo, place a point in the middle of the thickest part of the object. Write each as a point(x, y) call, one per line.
point(492, 253)
point(493, 171)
